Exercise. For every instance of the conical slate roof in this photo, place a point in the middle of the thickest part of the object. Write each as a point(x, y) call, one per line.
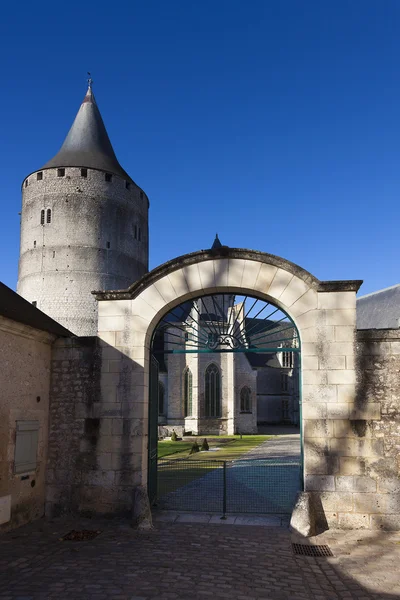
point(87, 143)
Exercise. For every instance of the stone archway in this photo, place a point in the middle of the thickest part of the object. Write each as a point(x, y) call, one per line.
point(323, 311)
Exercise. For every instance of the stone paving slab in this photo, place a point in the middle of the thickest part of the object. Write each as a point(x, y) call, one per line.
point(167, 516)
point(191, 561)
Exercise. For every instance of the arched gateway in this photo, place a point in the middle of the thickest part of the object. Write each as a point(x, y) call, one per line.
point(324, 313)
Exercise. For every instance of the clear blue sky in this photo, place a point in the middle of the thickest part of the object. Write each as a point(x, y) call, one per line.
point(275, 123)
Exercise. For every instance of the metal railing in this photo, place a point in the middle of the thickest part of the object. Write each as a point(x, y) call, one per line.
point(262, 486)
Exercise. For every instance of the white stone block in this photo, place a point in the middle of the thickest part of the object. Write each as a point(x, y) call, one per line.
point(206, 274)
point(235, 272)
point(295, 290)
point(165, 289)
point(179, 283)
point(111, 323)
point(318, 334)
point(142, 308)
point(221, 270)
point(344, 333)
point(111, 308)
point(346, 377)
point(306, 303)
point(153, 298)
point(338, 410)
point(314, 410)
point(336, 300)
point(310, 318)
point(107, 337)
point(345, 316)
point(310, 362)
point(250, 274)
point(317, 377)
point(340, 348)
point(279, 283)
point(332, 362)
point(319, 393)
point(346, 393)
point(265, 277)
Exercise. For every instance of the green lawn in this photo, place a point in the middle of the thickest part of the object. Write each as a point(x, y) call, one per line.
point(174, 473)
point(231, 447)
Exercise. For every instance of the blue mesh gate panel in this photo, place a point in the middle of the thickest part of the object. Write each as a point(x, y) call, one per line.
point(262, 486)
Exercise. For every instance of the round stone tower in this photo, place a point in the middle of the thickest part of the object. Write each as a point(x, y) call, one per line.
point(84, 226)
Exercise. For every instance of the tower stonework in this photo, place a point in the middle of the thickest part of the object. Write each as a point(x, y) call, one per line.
point(84, 226)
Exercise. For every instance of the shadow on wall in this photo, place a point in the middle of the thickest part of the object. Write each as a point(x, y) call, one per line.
point(97, 430)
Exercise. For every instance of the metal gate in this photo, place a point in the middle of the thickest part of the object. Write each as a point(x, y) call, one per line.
point(262, 486)
point(215, 324)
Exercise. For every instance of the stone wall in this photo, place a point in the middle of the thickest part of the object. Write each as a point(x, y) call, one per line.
point(354, 469)
point(25, 358)
point(91, 243)
point(74, 427)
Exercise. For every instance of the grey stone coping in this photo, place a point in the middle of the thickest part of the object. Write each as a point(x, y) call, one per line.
point(224, 252)
point(378, 334)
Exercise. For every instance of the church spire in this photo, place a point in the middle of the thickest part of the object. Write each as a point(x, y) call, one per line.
point(217, 243)
point(87, 143)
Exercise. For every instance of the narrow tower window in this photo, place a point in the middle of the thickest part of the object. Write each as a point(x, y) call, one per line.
point(34, 303)
point(26, 183)
point(245, 400)
point(108, 177)
point(161, 394)
point(54, 253)
point(127, 185)
point(48, 216)
point(39, 176)
point(42, 216)
point(34, 244)
point(135, 232)
point(187, 392)
point(83, 172)
point(139, 234)
point(141, 195)
point(60, 172)
point(212, 391)
point(108, 244)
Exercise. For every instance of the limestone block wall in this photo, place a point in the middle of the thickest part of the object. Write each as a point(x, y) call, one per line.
point(353, 467)
point(97, 238)
point(25, 360)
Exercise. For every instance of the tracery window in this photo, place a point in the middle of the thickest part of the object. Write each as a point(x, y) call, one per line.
point(287, 359)
point(212, 391)
point(42, 216)
point(187, 392)
point(161, 398)
point(245, 400)
point(48, 216)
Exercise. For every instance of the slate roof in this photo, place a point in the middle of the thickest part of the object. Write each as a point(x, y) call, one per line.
point(87, 143)
point(16, 308)
point(379, 310)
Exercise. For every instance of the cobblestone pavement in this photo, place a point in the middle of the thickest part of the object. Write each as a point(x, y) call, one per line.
point(186, 561)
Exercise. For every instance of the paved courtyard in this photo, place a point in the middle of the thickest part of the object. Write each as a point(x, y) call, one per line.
point(192, 562)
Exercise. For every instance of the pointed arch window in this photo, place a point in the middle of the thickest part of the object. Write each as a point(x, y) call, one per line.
point(212, 391)
point(42, 216)
point(161, 398)
point(245, 400)
point(188, 392)
point(48, 215)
